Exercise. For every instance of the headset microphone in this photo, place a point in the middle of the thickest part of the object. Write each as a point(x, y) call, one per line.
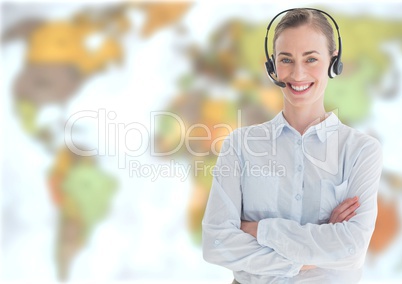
point(276, 82)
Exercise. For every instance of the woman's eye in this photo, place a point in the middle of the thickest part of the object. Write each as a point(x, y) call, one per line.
point(286, 60)
point(311, 60)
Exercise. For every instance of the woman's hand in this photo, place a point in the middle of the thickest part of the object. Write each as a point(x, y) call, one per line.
point(344, 211)
point(307, 267)
point(249, 228)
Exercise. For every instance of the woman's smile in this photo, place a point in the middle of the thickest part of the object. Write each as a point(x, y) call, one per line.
point(299, 89)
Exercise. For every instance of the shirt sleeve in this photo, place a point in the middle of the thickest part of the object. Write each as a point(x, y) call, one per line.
point(333, 246)
point(222, 240)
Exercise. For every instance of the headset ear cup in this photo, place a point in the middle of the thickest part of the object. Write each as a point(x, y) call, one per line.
point(339, 67)
point(270, 66)
point(335, 67)
point(273, 64)
point(332, 72)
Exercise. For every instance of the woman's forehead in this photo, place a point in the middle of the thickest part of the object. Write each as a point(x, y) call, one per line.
point(301, 38)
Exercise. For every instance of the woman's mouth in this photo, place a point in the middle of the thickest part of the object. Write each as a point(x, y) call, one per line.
point(300, 89)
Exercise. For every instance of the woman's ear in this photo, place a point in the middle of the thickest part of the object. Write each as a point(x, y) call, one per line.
point(335, 53)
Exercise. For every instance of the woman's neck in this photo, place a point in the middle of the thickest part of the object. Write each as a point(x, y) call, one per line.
point(303, 117)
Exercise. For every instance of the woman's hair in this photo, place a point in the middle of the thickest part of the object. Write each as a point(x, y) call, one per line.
point(299, 17)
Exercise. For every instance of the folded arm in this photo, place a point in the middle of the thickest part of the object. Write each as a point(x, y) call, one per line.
point(343, 212)
point(334, 246)
point(224, 243)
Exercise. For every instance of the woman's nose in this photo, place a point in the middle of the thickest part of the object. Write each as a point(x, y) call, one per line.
point(298, 72)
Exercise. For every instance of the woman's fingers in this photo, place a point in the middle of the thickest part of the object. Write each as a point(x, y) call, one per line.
point(350, 216)
point(345, 210)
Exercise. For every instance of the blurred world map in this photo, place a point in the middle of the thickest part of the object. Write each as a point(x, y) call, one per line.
point(94, 95)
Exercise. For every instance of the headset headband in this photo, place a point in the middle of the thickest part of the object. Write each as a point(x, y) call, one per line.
point(313, 9)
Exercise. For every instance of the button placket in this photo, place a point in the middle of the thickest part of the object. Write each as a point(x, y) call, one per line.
point(300, 142)
point(299, 177)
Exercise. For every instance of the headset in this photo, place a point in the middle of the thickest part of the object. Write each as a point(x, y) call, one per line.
point(335, 67)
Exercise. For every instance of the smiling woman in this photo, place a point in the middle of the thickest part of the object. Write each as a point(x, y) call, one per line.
point(302, 64)
point(314, 223)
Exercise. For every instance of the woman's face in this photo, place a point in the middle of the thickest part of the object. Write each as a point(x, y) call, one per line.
point(302, 61)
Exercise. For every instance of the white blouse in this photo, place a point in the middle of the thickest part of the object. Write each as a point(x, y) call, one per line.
point(290, 183)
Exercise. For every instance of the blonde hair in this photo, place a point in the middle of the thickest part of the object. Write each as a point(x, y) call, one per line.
point(299, 17)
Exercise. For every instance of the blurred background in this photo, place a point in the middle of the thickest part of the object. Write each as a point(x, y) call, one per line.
point(105, 80)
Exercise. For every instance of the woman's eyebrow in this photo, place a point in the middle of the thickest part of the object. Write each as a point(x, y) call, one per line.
point(310, 52)
point(304, 54)
point(285, 54)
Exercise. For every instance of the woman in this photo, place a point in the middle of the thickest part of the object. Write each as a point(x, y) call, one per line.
point(293, 200)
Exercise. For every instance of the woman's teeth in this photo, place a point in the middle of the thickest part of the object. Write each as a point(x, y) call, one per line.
point(300, 88)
